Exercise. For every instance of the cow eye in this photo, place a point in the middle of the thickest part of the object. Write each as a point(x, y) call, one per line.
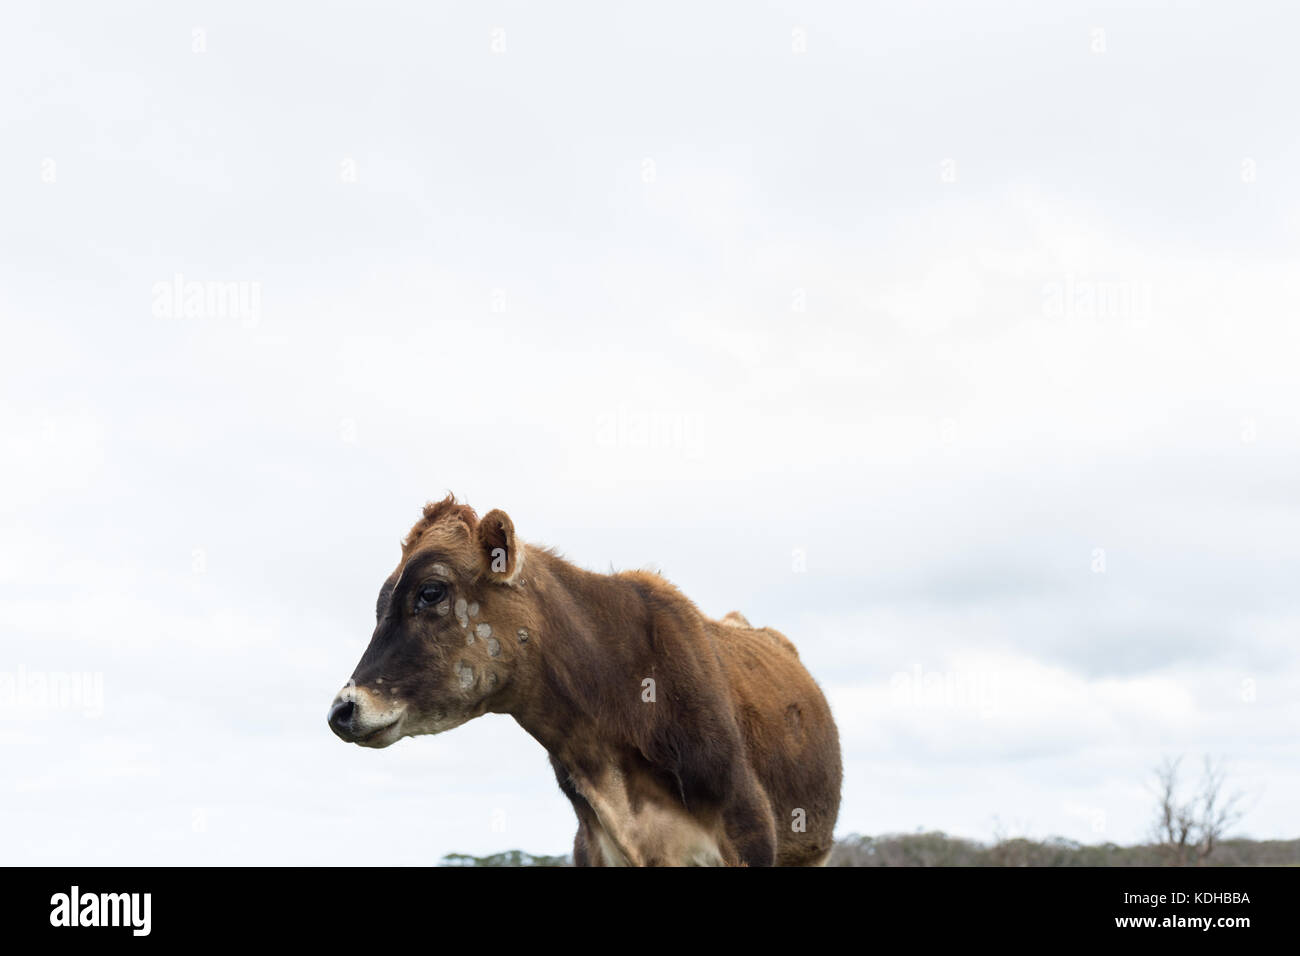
point(430, 594)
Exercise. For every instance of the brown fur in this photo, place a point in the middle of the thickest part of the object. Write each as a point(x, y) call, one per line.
point(736, 748)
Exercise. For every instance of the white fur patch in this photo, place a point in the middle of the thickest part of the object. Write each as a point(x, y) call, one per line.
point(466, 674)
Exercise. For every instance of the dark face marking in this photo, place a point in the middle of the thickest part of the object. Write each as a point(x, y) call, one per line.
point(410, 656)
point(385, 597)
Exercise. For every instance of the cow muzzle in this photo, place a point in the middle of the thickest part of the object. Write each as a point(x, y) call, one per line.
point(357, 717)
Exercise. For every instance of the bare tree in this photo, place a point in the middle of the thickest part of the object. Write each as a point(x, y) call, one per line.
point(1187, 831)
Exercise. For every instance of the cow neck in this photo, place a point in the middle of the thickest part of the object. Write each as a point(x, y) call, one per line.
point(578, 659)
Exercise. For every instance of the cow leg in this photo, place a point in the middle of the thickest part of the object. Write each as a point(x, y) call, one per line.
point(584, 854)
point(615, 842)
point(751, 828)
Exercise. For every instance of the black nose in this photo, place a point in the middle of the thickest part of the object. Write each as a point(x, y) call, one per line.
point(341, 718)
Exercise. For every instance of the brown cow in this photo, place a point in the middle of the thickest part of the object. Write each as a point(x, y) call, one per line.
point(680, 740)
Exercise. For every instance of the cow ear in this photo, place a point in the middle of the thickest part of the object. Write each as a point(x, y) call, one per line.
point(501, 554)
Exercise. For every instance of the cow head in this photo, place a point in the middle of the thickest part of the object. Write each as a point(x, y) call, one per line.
point(452, 624)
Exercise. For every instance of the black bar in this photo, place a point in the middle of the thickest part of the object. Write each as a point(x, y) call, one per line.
point(245, 907)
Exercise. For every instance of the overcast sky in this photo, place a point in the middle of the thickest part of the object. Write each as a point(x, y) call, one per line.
point(958, 344)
